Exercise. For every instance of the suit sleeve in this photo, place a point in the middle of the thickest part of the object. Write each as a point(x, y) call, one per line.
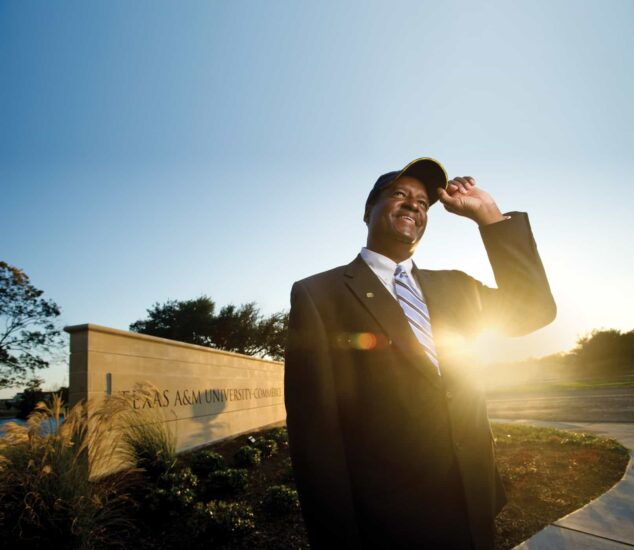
point(522, 301)
point(315, 440)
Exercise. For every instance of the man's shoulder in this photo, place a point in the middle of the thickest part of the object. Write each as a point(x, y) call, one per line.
point(451, 274)
point(338, 273)
point(324, 277)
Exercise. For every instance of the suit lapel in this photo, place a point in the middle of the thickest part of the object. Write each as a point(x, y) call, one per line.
point(373, 295)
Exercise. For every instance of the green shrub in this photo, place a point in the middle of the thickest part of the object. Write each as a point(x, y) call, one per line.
point(173, 491)
point(222, 520)
point(268, 447)
point(228, 481)
point(205, 462)
point(280, 500)
point(280, 435)
point(247, 456)
point(287, 475)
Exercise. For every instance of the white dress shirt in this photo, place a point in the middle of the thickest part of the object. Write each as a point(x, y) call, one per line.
point(384, 268)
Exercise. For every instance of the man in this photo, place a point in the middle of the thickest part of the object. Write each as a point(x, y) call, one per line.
point(389, 438)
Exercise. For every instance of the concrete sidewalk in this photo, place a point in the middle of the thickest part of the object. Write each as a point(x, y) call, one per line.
point(605, 523)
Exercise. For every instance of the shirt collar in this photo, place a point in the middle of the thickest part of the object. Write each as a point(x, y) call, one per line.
point(383, 266)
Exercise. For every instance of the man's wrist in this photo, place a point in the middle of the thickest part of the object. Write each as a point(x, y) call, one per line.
point(490, 215)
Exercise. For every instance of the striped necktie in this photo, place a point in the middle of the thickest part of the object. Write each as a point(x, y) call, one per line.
point(416, 312)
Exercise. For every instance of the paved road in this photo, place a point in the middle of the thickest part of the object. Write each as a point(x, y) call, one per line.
point(586, 405)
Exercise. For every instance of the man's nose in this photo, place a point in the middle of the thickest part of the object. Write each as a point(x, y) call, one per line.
point(411, 203)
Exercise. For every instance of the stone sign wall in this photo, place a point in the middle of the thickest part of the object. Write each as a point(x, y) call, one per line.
point(205, 395)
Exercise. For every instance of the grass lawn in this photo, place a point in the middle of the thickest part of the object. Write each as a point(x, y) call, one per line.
point(570, 385)
point(547, 474)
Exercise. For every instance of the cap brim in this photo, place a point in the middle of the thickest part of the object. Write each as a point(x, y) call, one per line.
point(430, 172)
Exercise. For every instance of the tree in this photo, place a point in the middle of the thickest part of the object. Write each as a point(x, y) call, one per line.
point(605, 352)
point(186, 321)
point(273, 330)
point(29, 332)
point(31, 396)
point(241, 329)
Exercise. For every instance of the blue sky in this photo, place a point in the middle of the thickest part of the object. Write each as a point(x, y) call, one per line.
point(157, 150)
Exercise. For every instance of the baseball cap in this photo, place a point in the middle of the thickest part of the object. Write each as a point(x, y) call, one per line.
point(427, 170)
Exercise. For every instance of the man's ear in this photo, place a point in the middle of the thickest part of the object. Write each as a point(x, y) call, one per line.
point(366, 214)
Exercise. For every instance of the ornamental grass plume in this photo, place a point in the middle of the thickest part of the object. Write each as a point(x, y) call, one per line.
point(146, 443)
point(66, 479)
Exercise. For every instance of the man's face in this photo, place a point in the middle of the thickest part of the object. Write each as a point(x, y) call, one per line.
point(399, 215)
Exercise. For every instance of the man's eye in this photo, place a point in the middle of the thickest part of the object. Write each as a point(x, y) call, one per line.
point(398, 194)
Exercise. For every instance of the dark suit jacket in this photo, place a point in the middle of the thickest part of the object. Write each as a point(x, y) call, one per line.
point(385, 452)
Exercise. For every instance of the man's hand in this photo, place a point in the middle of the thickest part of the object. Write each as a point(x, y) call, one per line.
point(463, 198)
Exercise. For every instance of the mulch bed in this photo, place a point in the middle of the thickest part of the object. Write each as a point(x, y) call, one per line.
point(547, 474)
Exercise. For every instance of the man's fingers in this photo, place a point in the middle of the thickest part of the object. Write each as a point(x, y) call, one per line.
point(446, 198)
point(460, 184)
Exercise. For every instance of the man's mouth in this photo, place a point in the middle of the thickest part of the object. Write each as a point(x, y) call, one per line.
point(407, 218)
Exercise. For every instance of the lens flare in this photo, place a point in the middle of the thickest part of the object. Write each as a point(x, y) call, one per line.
point(363, 340)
